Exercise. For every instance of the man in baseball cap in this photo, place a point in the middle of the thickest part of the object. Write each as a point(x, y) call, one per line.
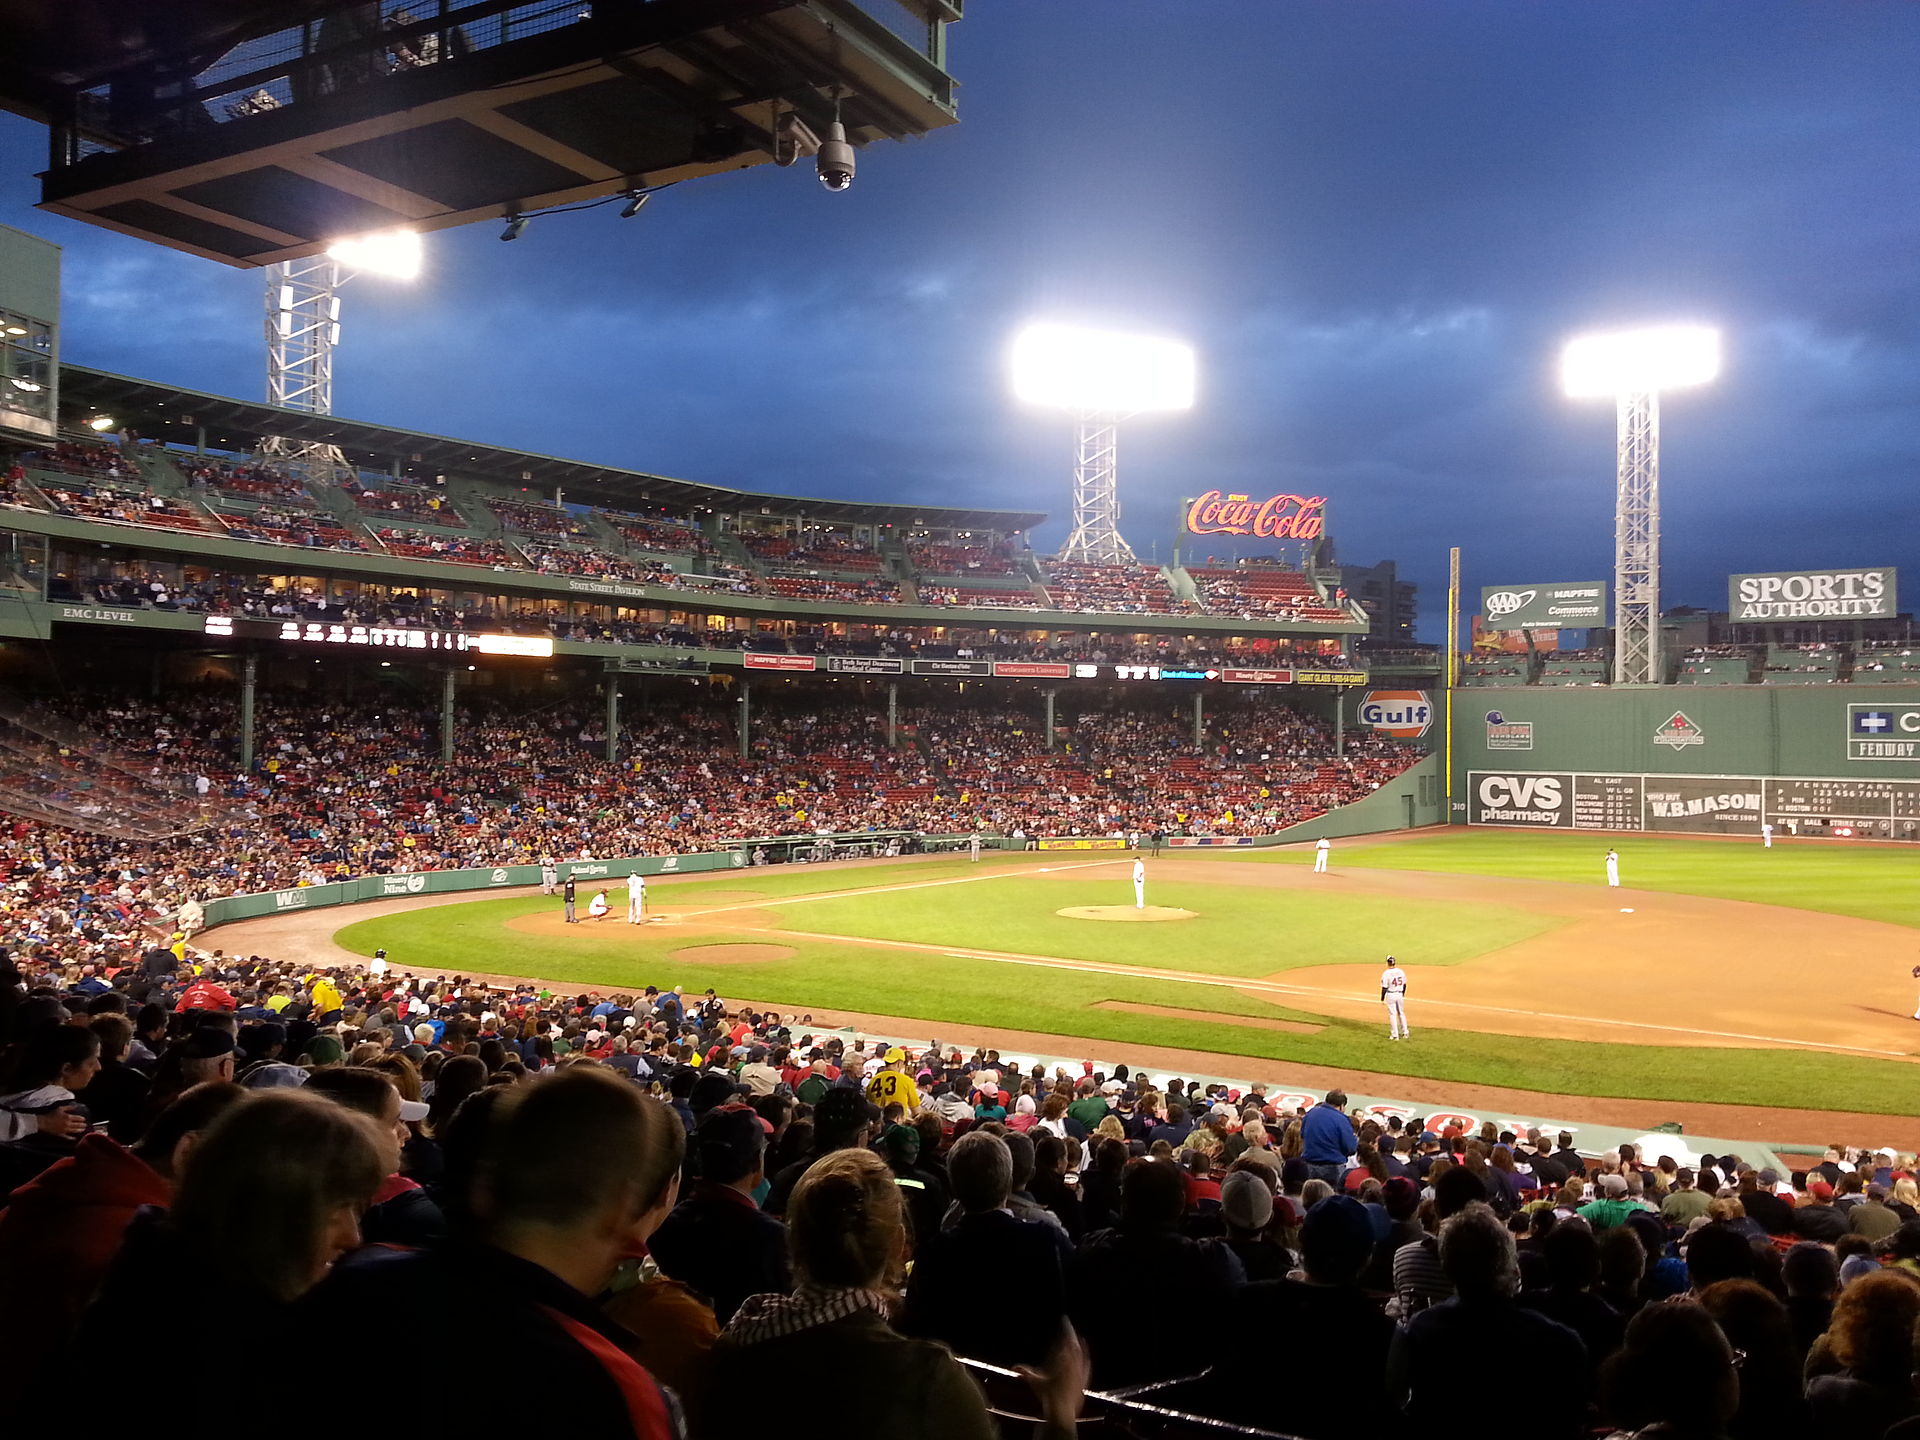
point(843, 1120)
point(716, 1240)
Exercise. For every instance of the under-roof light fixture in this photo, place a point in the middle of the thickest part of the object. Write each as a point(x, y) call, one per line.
point(394, 254)
point(636, 202)
point(100, 423)
point(516, 226)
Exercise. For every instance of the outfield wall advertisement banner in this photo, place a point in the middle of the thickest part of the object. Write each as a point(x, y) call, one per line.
point(1879, 731)
point(1844, 809)
point(1093, 842)
point(1813, 595)
point(1544, 607)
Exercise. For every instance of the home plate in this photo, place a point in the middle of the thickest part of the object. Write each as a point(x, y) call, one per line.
point(1126, 913)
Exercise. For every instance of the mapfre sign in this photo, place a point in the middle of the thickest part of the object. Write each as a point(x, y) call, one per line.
point(1278, 517)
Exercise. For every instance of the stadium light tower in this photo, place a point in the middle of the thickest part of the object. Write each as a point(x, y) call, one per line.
point(1634, 366)
point(303, 326)
point(1103, 378)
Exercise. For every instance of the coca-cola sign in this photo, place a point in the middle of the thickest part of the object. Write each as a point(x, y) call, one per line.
point(1278, 517)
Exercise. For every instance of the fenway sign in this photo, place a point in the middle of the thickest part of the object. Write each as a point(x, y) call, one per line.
point(1278, 517)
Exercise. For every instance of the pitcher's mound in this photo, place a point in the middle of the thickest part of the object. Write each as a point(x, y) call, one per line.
point(1131, 913)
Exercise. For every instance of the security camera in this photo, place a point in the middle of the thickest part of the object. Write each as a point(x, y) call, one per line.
point(793, 139)
point(835, 160)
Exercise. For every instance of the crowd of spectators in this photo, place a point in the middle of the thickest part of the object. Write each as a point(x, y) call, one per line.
point(596, 564)
point(654, 1206)
point(460, 549)
point(1111, 589)
point(291, 527)
point(669, 537)
point(931, 557)
point(931, 593)
point(1264, 592)
point(346, 788)
point(245, 479)
point(395, 501)
point(538, 518)
point(813, 548)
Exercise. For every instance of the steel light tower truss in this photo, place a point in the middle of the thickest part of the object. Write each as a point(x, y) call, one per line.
point(303, 326)
point(1096, 538)
point(1636, 541)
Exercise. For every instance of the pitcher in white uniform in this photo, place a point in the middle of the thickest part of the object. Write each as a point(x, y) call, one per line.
point(1139, 884)
point(1613, 869)
point(636, 898)
point(1322, 849)
point(1393, 993)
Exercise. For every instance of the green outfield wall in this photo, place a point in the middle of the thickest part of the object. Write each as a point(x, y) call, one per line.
point(1831, 761)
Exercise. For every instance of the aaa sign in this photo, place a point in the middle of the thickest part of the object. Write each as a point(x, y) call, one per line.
point(1278, 517)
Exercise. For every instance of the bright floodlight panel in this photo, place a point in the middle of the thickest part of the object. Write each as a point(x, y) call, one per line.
point(1630, 362)
point(393, 253)
point(1068, 368)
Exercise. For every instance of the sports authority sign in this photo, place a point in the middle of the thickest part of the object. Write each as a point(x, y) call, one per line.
point(1812, 595)
point(1544, 607)
point(1403, 714)
point(1878, 731)
point(1277, 517)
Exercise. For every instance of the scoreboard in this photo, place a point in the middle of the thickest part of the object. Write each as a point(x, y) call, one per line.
point(1846, 809)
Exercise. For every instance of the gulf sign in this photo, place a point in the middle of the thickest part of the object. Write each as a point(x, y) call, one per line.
point(1403, 714)
point(1277, 517)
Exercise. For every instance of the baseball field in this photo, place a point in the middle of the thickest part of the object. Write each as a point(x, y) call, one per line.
point(1720, 973)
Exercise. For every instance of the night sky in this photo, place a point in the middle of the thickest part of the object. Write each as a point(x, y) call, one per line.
point(1375, 221)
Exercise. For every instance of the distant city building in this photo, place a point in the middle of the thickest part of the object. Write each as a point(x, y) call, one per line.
point(1392, 604)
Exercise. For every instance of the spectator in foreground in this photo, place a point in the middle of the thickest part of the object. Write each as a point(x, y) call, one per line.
point(60, 1232)
point(1324, 1323)
point(1482, 1327)
point(573, 1171)
point(990, 1285)
point(1145, 1265)
point(717, 1240)
point(847, 1229)
point(1675, 1376)
point(270, 1196)
point(1860, 1374)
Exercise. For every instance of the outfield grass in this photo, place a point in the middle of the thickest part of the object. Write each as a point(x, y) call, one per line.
point(936, 988)
point(1871, 882)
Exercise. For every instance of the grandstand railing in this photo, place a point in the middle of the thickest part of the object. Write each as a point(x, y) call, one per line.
point(1128, 1411)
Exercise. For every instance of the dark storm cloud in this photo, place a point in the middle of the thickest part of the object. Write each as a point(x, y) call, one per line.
point(1377, 223)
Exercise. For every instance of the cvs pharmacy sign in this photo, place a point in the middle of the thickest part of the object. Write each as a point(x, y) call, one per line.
point(1502, 798)
point(1403, 714)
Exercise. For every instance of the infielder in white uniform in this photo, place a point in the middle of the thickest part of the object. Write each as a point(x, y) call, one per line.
point(1393, 992)
point(636, 898)
point(1139, 884)
point(1613, 869)
point(1322, 848)
point(973, 849)
point(1916, 1008)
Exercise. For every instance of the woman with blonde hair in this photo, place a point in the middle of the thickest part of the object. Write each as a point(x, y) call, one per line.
point(847, 1239)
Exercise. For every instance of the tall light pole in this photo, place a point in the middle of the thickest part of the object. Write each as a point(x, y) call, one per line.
point(1102, 378)
point(1634, 366)
point(303, 326)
